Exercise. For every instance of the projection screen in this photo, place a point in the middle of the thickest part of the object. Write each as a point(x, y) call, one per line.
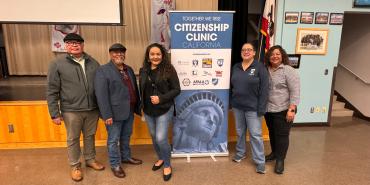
point(62, 12)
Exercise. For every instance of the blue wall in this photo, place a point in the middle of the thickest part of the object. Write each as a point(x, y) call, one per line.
point(315, 85)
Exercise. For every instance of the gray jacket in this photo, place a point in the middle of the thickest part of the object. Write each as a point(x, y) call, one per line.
point(68, 89)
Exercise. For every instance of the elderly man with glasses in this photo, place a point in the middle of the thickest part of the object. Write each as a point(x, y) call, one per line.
point(71, 97)
point(118, 99)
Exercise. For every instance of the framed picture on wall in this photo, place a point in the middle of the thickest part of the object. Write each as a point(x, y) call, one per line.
point(294, 60)
point(311, 41)
point(361, 3)
point(336, 18)
point(306, 18)
point(291, 17)
point(321, 17)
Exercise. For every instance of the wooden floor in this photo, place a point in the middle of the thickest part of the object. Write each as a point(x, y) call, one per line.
point(339, 154)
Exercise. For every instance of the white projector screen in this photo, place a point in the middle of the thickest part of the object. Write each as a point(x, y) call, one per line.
point(62, 12)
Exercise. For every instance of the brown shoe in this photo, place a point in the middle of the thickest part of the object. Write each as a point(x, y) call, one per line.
point(118, 172)
point(76, 174)
point(95, 165)
point(133, 161)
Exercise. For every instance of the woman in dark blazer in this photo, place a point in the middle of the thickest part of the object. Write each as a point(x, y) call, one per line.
point(159, 85)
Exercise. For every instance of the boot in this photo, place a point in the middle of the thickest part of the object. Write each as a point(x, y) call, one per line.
point(76, 173)
point(279, 166)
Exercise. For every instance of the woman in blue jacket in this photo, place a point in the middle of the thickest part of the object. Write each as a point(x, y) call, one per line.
point(249, 82)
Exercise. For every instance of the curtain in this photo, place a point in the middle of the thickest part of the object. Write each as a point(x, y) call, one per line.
point(194, 5)
point(25, 47)
point(239, 25)
point(28, 46)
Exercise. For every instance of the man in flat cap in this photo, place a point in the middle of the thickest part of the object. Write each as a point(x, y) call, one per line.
point(118, 99)
point(70, 96)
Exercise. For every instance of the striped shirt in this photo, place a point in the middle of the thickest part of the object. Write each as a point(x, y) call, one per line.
point(284, 88)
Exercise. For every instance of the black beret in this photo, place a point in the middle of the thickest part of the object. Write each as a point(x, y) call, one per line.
point(73, 36)
point(117, 46)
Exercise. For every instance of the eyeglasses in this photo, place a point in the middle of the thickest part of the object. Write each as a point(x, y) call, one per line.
point(247, 50)
point(72, 43)
point(118, 52)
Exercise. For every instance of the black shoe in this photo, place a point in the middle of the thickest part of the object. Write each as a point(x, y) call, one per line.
point(155, 168)
point(133, 161)
point(118, 172)
point(279, 166)
point(270, 157)
point(167, 177)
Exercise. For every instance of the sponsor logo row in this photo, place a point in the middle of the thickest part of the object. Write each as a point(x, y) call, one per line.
point(197, 82)
point(195, 72)
point(205, 62)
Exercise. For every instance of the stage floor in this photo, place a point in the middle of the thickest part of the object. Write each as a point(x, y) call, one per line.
point(23, 88)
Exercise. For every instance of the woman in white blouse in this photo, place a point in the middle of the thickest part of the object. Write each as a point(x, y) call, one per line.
point(281, 105)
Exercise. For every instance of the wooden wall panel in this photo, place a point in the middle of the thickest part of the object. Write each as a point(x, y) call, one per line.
point(34, 128)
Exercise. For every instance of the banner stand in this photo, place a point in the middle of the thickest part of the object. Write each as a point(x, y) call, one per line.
point(218, 154)
point(189, 155)
point(201, 55)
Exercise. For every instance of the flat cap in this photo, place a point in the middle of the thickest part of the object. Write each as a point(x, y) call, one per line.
point(73, 36)
point(117, 47)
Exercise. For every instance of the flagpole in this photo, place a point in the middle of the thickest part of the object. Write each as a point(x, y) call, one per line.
point(260, 48)
point(259, 29)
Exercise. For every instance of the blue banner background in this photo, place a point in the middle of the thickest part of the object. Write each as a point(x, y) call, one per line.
point(179, 40)
point(201, 122)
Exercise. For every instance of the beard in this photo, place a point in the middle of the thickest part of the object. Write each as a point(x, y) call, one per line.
point(118, 61)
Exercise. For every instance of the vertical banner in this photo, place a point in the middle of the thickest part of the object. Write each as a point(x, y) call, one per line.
point(160, 21)
point(58, 32)
point(201, 54)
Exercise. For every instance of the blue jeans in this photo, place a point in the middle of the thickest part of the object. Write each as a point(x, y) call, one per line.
point(158, 128)
point(118, 142)
point(249, 120)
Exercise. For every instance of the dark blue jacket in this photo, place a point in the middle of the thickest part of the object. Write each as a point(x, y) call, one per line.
point(112, 94)
point(250, 87)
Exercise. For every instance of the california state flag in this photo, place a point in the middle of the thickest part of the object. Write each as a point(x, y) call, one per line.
point(267, 28)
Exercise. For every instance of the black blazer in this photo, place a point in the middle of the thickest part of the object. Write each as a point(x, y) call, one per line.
point(168, 88)
point(112, 94)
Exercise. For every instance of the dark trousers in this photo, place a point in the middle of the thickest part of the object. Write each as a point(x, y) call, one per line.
point(279, 130)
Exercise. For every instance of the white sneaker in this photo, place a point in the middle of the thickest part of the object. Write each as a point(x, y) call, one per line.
point(260, 169)
point(238, 159)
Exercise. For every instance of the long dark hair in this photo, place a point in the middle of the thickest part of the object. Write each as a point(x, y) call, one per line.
point(284, 55)
point(164, 67)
